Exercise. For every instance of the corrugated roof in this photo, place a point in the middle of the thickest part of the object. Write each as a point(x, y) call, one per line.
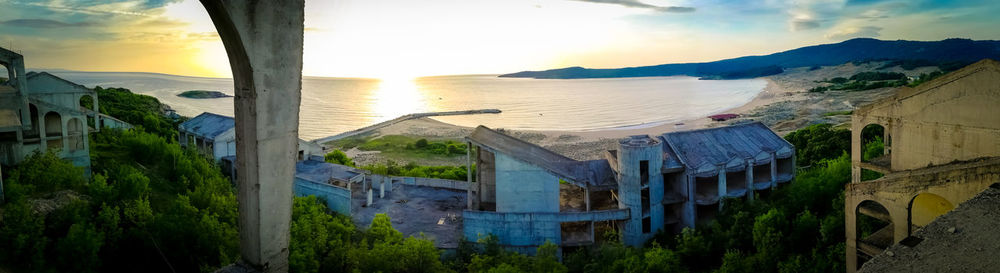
point(322, 172)
point(593, 172)
point(208, 125)
point(719, 146)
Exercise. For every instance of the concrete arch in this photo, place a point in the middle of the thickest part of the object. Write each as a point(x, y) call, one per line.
point(53, 124)
point(874, 229)
point(925, 207)
point(75, 133)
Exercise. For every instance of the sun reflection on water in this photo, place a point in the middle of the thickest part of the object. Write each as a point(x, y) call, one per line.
point(395, 97)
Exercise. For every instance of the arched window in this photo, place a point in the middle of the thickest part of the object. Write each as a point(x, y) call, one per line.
point(925, 207)
point(874, 230)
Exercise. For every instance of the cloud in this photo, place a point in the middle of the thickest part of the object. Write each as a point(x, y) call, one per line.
point(854, 32)
point(803, 24)
point(43, 23)
point(637, 4)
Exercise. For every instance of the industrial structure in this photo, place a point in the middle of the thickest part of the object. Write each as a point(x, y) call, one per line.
point(215, 135)
point(526, 195)
point(942, 147)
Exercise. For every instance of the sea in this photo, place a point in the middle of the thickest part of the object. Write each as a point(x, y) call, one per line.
point(334, 105)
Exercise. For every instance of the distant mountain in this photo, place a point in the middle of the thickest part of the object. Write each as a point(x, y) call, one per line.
point(945, 53)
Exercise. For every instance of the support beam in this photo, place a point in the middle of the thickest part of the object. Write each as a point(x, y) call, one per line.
point(468, 175)
point(263, 40)
point(751, 188)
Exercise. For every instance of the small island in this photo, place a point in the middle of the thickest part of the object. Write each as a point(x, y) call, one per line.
point(202, 94)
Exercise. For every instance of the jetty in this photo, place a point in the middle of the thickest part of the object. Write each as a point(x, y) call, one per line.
point(399, 119)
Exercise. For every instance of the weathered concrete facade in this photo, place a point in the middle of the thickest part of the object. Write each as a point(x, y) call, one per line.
point(652, 183)
point(942, 139)
point(263, 41)
point(40, 112)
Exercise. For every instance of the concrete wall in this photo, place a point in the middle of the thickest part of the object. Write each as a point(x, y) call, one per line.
point(522, 187)
point(952, 118)
point(337, 199)
point(434, 183)
point(528, 229)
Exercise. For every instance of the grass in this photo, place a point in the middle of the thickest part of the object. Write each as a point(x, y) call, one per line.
point(405, 148)
point(838, 113)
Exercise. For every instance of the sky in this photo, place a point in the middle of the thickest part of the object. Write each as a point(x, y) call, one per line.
point(407, 38)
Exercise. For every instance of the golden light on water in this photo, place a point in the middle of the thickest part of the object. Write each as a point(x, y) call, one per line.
point(396, 96)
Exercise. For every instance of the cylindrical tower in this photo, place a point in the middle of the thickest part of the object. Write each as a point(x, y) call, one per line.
point(640, 187)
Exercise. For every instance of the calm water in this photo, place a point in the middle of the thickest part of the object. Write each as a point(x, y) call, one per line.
point(333, 105)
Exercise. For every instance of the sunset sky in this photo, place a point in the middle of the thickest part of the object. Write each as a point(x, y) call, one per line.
point(407, 38)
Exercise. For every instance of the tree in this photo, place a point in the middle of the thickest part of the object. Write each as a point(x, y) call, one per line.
point(338, 157)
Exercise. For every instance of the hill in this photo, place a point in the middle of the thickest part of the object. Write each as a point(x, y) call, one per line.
point(947, 54)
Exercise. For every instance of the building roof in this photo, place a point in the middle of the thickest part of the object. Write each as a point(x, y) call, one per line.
point(208, 125)
point(593, 172)
point(698, 149)
point(67, 86)
point(962, 240)
point(323, 172)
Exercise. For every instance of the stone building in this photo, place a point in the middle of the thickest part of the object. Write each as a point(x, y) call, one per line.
point(39, 112)
point(526, 195)
point(215, 135)
point(942, 147)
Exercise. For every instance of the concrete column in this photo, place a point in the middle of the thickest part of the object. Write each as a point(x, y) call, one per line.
point(2, 198)
point(263, 40)
point(63, 124)
point(690, 213)
point(43, 145)
point(750, 186)
point(468, 175)
point(97, 114)
point(388, 184)
point(370, 197)
point(723, 192)
point(850, 230)
point(22, 88)
point(774, 171)
point(856, 126)
point(381, 189)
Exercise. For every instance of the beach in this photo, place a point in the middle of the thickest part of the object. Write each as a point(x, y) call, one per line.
point(784, 105)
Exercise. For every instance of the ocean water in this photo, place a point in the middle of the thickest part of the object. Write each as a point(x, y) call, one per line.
point(334, 105)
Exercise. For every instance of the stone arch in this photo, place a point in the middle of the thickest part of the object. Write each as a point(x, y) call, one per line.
point(874, 229)
point(75, 134)
point(925, 207)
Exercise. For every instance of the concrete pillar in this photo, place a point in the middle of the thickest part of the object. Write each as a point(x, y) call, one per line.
point(63, 124)
point(381, 189)
point(43, 145)
point(774, 171)
point(263, 40)
point(856, 126)
point(750, 186)
point(850, 232)
point(690, 213)
point(723, 192)
point(370, 197)
point(388, 184)
point(468, 175)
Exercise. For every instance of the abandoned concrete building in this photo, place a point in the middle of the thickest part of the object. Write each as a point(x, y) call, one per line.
point(941, 148)
point(40, 111)
point(527, 195)
point(215, 135)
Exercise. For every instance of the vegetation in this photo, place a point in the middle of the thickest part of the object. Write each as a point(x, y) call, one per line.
point(338, 157)
point(838, 113)
point(878, 76)
point(414, 170)
point(139, 110)
point(924, 77)
point(818, 142)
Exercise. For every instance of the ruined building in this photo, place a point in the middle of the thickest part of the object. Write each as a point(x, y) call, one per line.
point(942, 147)
point(215, 135)
point(527, 195)
point(39, 112)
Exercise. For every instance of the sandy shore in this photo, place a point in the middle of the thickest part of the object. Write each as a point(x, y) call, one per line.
point(784, 105)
